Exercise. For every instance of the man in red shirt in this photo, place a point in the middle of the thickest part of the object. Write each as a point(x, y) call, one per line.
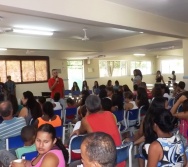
point(56, 84)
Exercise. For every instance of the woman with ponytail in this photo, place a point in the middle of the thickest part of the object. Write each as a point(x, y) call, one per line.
point(48, 116)
point(51, 151)
point(167, 149)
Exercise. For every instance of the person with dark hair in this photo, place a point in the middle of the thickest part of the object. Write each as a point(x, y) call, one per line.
point(31, 109)
point(173, 78)
point(109, 83)
point(85, 86)
point(137, 77)
point(96, 89)
point(165, 91)
point(84, 94)
point(98, 149)
point(106, 104)
point(159, 78)
point(10, 86)
point(157, 91)
point(75, 87)
point(57, 105)
point(98, 120)
point(103, 93)
point(28, 134)
point(116, 86)
point(175, 89)
point(51, 151)
point(12, 98)
point(11, 126)
point(168, 148)
point(180, 90)
point(142, 98)
point(143, 84)
point(129, 103)
point(126, 88)
point(48, 116)
point(41, 101)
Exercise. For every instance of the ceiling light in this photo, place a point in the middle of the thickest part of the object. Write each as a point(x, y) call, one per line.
point(139, 54)
point(141, 32)
point(2, 49)
point(32, 28)
point(33, 32)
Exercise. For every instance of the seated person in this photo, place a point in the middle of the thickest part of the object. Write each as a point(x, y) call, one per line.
point(48, 116)
point(129, 103)
point(41, 101)
point(53, 155)
point(98, 120)
point(103, 145)
point(28, 134)
point(56, 103)
point(106, 104)
point(70, 104)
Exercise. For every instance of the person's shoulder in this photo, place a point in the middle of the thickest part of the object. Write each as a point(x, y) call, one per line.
point(50, 158)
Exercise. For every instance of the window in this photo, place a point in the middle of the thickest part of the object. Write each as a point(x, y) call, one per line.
point(143, 66)
point(112, 68)
point(24, 69)
point(167, 66)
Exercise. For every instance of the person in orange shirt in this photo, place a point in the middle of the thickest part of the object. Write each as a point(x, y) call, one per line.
point(56, 84)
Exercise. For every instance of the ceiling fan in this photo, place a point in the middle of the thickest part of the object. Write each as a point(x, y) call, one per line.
point(84, 38)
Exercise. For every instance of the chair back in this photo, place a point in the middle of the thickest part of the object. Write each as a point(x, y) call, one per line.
point(58, 112)
point(59, 131)
point(124, 152)
point(171, 102)
point(119, 115)
point(66, 92)
point(133, 116)
point(69, 112)
point(74, 145)
point(76, 93)
point(14, 142)
point(29, 156)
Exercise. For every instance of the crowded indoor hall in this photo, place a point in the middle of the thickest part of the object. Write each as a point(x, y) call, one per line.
point(93, 83)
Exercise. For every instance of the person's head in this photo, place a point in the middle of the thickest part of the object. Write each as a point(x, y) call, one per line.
point(75, 84)
point(110, 91)
point(83, 112)
point(8, 77)
point(160, 102)
point(42, 100)
point(96, 84)
point(109, 83)
point(138, 72)
point(126, 88)
point(28, 134)
point(135, 87)
point(175, 85)
point(27, 97)
point(173, 72)
point(181, 85)
point(46, 139)
point(93, 103)
point(117, 83)
point(98, 150)
point(48, 109)
point(103, 93)
point(158, 72)
point(128, 96)
point(84, 84)
point(57, 96)
point(157, 91)
point(143, 84)
point(70, 102)
point(6, 109)
point(14, 102)
point(54, 73)
point(106, 104)
point(142, 97)
point(163, 120)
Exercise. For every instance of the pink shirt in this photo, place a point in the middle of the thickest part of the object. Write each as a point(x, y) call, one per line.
point(58, 153)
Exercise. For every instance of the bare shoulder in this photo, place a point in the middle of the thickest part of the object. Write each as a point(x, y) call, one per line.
point(23, 112)
point(155, 146)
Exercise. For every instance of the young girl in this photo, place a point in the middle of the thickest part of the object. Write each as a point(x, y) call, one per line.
point(51, 151)
point(85, 86)
point(129, 103)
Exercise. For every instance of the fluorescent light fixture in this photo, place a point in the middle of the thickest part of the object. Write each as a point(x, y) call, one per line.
point(33, 32)
point(141, 32)
point(139, 54)
point(33, 28)
point(2, 49)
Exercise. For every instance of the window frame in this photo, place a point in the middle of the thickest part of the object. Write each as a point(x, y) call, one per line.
point(28, 58)
point(139, 68)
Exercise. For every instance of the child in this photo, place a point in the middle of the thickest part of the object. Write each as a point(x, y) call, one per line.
point(56, 103)
point(28, 134)
point(129, 103)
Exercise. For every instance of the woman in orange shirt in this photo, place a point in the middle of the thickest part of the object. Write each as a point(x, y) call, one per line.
point(48, 116)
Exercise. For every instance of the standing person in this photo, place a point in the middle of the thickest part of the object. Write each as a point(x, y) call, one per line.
point(56, 84)
point(173, 78)
point(2, 90)
point(137, 77)
point(10, 86)
point(96, 88)
point(116, 86)
point(85, 86)
point(159, 77)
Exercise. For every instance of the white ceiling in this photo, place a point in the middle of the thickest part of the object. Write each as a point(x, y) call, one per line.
point(173, 9)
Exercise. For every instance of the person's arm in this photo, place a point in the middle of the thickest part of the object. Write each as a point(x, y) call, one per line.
point(52, 85)
point(162, 79)
point(155, 154)
point(84, 128)
point(36, 123)
point(139, 141)
point(50, 160)
point(23, 112)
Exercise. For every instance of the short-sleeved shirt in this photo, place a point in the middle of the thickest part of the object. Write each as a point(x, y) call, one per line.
point(58, 88)
point(136, 79)
point(55, 123)
point(26, 149)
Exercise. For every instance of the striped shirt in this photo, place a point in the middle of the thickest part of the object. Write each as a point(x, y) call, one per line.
point(10, 128)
